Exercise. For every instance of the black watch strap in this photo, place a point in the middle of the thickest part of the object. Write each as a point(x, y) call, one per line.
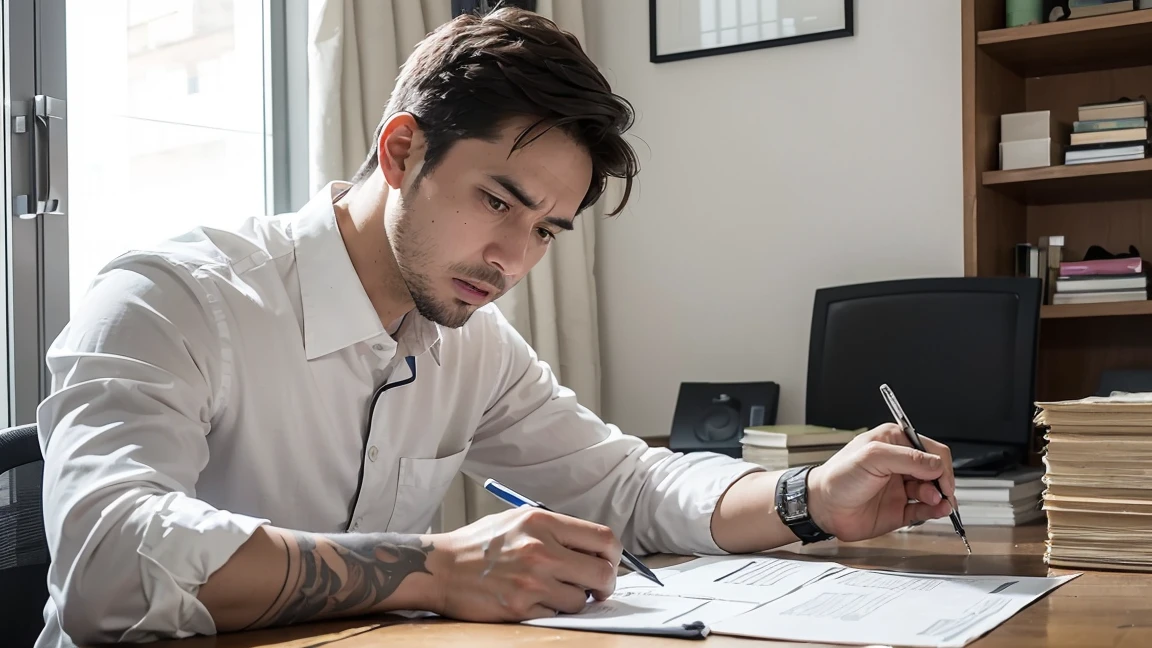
point(792, 505)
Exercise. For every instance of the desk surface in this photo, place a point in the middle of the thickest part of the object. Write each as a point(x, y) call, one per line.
point(1098, 609)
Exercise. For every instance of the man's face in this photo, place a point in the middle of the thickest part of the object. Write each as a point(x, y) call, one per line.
point(467, 232)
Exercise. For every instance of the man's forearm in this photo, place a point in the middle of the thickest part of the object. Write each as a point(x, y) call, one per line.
point(745, 518)
point(281, 577)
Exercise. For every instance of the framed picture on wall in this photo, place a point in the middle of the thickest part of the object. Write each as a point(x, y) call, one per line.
point(683, 29)
point(484, 6)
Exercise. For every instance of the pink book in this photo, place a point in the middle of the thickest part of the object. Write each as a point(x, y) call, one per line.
point(1101, 267)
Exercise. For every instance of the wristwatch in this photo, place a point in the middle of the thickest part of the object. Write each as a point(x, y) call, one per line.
point(792, 506)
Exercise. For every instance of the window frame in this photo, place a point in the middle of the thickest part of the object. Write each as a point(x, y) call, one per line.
point(286, 104)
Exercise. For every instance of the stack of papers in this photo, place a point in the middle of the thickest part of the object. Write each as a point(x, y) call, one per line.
point(1011, 498)
point(796, 600)
point(1099, 481)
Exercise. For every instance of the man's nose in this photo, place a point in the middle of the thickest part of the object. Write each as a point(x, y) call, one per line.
point(509, 254)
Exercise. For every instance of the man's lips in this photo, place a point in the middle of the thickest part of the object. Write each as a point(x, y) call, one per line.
point(471, 292)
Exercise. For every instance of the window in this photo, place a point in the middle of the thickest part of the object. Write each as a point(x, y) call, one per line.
point(167, 131)
point(128, 122)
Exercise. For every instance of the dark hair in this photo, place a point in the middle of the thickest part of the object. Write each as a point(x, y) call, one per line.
point(472, 74)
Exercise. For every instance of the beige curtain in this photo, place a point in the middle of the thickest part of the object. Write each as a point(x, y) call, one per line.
point(356, 48)
point(554, 307)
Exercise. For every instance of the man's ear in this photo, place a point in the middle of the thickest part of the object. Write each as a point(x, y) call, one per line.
point(401, 142)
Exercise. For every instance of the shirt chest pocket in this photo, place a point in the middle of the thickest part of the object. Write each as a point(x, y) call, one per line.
point(421, 487)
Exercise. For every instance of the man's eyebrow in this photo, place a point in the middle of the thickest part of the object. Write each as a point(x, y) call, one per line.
point(562, 223)
point(514, 188)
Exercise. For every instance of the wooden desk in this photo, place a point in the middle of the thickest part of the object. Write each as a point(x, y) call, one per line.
point(1098, 609)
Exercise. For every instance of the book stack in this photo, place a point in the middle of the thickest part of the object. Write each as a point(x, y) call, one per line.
point(1042, 261)
point(1101, 280)
point(1011, 498)
point(1099, 492)
point(776, 447)
point(1074, 9)
point(1109, 132)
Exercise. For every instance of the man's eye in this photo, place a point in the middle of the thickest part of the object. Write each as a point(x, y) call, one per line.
point(495, 203)
point(545, 234)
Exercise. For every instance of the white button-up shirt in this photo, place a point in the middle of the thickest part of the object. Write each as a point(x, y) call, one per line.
point(228, 379)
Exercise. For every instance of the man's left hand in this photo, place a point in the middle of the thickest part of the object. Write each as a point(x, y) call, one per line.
point(879, 483)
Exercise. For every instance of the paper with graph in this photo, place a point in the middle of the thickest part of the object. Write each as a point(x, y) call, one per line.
point(796, 600)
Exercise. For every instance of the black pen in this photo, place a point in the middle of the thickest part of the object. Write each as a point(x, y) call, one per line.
point(914, 439)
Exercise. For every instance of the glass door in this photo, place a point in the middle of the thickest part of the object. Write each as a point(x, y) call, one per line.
point(36, 187)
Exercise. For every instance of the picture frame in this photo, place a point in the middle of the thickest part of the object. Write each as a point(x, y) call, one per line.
point(686, 29)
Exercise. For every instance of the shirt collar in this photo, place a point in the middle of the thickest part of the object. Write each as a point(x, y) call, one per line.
point(418, 335)
point(337, 311)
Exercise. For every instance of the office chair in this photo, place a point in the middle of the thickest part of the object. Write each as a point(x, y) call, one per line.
point(24, 555)
point(959, 352)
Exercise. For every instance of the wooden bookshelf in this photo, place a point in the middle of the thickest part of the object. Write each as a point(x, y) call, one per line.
point(1099, 43)
point(1058, 67)
point(1059, 311)
point(1076, 183)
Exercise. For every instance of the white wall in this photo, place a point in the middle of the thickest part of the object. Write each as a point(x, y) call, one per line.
point(766, 175)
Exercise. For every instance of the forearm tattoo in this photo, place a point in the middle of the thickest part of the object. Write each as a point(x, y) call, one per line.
point(331, 575)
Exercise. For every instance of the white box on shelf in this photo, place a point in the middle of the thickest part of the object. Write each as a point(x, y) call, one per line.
point(1019, 127)
point(1029, 154)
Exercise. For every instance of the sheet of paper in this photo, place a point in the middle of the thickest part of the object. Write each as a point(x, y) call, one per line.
point(706, 590)
point(629, 609)
point(877, 607)
point(644, 611)
point(758, 580)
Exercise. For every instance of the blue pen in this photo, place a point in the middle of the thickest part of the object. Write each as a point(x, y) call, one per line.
point(516, 499)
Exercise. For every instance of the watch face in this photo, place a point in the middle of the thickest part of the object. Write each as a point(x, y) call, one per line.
point(795, 505)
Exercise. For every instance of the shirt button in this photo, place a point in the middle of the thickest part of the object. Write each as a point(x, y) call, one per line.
point(378, 347)
point(372, 452)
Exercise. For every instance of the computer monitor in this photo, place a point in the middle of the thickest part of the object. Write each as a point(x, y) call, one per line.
point(959, 353)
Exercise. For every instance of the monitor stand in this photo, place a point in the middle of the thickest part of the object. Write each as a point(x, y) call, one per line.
point(982, 459)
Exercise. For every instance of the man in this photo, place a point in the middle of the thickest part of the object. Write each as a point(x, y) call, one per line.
point(254, 428)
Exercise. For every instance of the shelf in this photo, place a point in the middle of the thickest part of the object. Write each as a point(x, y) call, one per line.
point(1103, 181)
point(1097, 43)
point(1062, 311)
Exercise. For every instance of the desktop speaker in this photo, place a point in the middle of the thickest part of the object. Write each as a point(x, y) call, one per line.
point(711, 417)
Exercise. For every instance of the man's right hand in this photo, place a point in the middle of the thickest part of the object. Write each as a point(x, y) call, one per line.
point(523, 564)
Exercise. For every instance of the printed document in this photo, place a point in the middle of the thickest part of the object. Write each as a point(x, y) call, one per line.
point(697, 595)
point(796, 600)
point(874, 607)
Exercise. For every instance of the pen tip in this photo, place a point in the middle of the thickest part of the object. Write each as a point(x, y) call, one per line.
point(966, 545)
point(651, 575)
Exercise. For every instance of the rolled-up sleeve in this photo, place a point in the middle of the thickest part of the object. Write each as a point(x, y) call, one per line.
point(136, 377)
point(538, 439)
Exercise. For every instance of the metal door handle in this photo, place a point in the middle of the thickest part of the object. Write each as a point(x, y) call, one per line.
point(49, 159)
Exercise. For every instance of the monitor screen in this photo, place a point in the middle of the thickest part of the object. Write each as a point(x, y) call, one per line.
point(959, 363)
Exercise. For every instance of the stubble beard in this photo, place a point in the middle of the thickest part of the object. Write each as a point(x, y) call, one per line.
point(412, 252)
